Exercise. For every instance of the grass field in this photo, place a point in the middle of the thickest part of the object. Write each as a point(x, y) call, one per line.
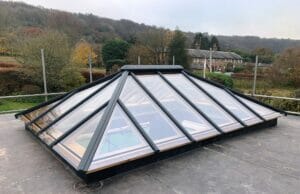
point(6, 105)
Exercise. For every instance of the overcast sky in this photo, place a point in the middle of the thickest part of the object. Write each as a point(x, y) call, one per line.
point(264, 18)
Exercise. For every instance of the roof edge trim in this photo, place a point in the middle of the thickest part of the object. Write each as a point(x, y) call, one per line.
point(152, 68)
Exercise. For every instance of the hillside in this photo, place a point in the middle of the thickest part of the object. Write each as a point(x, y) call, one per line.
point(249, 43)
point(16, 17)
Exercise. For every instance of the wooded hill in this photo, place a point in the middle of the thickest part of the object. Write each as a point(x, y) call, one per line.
point(17, 17)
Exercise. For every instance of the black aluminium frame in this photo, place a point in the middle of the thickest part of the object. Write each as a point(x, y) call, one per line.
point(105, 173)
point(138, 126)
point(76, 105)
point(109, 107)
point(178, 125)
point(228, 91)
point(94, 142)
point(86, 86)
point(231, 92)
point(78, 125)
point(215, 100)
point(206, 117)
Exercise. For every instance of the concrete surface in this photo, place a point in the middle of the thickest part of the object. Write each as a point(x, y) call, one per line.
point(264, 161)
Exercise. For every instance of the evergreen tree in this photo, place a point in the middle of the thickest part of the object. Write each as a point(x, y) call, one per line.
point(205, 44)
point(177, 49)
point(201, 42)
point(214, 44)
point(114, 52)
point(197, 41)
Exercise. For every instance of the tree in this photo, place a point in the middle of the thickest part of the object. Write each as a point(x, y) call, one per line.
point(4, 46)
point(286, 68)
point(141, 51)
point(157, 42)
point(57, 61)
point(205, 45)
point(197, 41)
point(177, 49)
point(201, 42)
point(214, 44)
point(265, 55)
point(81, 53)
point(70, 77)
point(247, 56)
point(114, 50)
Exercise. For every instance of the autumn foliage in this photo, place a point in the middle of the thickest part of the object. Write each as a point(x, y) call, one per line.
point(81, 53)
point(286, 69)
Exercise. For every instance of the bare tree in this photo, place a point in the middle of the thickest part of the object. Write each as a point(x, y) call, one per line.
point(156, 41)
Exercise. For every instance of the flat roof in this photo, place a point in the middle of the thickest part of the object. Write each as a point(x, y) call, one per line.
point(265, 160)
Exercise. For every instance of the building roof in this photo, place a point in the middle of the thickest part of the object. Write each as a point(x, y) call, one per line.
point(197, 53)
point(138, 116)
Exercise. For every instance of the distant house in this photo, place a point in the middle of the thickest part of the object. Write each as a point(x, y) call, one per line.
point(220, 59)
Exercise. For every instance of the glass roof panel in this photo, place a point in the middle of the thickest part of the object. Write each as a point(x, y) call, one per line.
point(256, 107)
point(79, 113)
point(212, 110)
point(161, 115)
point(66, 105)
point(222, 96)
point(77, 142)
point(155, 123)
point(120, 136)
point(182, 111)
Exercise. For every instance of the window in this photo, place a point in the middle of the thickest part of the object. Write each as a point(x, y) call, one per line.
point(155, 123)
point(211, 109)
point(66, 105)
point(260, 109)
point(229, 102)
point(120, 136)
point(78, 141)
point(74, 117)
point(182, 112)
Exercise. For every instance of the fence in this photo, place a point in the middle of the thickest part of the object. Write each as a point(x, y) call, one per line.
point(254, 84)
point(257, 80)
point(260, 83)
point(60, 93)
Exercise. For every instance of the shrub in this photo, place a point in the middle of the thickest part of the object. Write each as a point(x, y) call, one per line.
point(229, 67)
point(238, 69)
point(221, 78)
point(114, 64)
point(70, 78)
point(282, 104)
point(96, 75)
point(31, 89)
point(33, 99)
point(297, 93)
point(198, 73)
point(9, 83)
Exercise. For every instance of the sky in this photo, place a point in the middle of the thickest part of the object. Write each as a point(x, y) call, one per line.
point(264, 18)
